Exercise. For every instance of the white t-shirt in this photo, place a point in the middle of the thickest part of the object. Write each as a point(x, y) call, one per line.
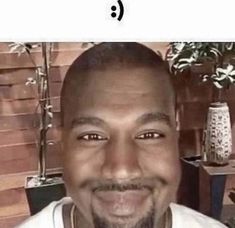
point(182, 217)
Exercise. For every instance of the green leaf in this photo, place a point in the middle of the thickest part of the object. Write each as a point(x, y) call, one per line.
point(215, 51)
point(221, 71)
point(230, 68)
point(217, 84)
point(50, 114)
point(189, 60)
point(221, 77)
point(232, 73)
point(205, 78)
point(183, 66)
point(229, 46)
point(231, 79)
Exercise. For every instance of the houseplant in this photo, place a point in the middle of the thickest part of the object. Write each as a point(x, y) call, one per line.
point(213, 62)
point(42, 188)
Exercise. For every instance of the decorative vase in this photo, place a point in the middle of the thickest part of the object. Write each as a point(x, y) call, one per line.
point(217, 138)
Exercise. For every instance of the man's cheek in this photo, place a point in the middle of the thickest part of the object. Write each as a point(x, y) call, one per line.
point(167, 171)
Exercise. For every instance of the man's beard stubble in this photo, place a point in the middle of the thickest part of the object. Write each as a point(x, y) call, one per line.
point(146, 222)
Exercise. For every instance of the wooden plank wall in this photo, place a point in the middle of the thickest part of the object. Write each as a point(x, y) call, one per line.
point(19, 124)
point(18, 121)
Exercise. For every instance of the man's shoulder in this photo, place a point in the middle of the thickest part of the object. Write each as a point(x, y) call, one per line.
point(46, 217)
point(186, 217)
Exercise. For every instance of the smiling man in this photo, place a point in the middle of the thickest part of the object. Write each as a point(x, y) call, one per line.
point(120, 145)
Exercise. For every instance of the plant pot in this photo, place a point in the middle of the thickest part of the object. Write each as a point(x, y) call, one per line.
point(188, 193)
point(217, 139)
point(39, 195)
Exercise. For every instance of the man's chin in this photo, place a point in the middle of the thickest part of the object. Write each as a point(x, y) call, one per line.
point(134, 221)
point(117, 210)
point(122, 205)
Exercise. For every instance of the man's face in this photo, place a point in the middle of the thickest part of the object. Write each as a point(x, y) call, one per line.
point(120, 147)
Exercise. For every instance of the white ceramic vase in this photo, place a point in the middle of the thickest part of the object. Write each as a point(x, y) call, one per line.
point(218, 138)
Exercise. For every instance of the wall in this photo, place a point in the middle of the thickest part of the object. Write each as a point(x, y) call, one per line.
point(19, 124)
point(18, 121)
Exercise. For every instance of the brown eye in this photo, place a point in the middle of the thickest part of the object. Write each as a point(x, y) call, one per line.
point(149, 135)
point(91, 137)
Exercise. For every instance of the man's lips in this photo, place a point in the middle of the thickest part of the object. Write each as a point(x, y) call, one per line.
point(121, 203)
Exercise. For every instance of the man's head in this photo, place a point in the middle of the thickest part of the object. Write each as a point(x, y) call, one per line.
point(120, 144)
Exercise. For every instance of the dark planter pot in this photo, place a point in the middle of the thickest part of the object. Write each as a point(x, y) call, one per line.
point(188, 193)
point(39, 196)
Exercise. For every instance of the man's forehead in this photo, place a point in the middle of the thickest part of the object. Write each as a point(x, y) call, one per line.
point(117, 88)
point(119, 109)
point(138, 78)
point(112, 89)
point(142, 119)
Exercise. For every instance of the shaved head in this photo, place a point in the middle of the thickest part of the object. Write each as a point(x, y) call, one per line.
point(109, 56)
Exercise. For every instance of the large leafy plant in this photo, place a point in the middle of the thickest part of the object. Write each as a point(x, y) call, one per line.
point(182, 56)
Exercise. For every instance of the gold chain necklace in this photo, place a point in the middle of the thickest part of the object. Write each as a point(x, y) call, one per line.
point(73, 219)
point(167, 219)
point(72, 216)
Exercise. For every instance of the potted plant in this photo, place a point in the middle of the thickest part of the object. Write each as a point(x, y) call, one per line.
point(42, 188)
point(213, 62)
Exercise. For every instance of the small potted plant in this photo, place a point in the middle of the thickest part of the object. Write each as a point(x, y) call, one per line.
point(42, 188)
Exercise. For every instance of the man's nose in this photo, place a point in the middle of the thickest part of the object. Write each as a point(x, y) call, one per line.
point(121, 160)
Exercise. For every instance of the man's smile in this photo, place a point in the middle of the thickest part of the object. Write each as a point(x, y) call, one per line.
point(121, 203)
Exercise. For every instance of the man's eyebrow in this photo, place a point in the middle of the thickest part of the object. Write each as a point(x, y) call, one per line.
point(154, 116)
point(87, 120)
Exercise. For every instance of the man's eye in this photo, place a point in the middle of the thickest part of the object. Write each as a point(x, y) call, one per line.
point(149, 135)
point(89, 137)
